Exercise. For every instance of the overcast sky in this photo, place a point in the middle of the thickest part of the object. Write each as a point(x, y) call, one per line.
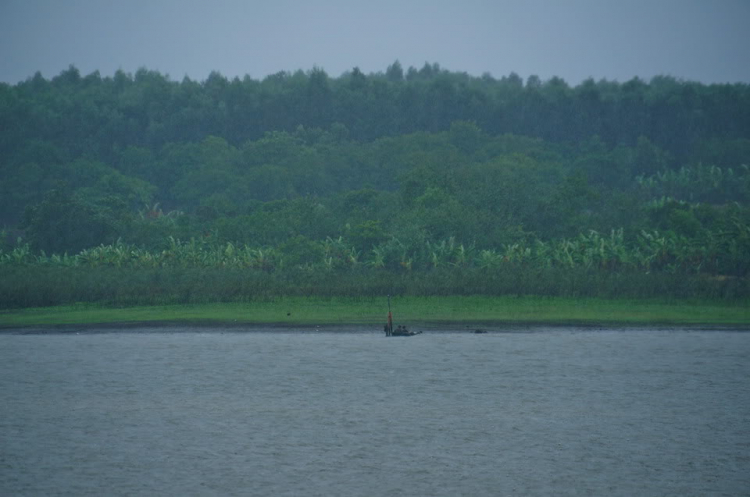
point(701, 40)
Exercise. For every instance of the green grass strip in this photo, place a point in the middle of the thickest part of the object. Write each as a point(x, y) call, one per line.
point(408, 310)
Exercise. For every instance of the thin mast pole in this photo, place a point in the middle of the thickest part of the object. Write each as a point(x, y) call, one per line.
point(390, 317)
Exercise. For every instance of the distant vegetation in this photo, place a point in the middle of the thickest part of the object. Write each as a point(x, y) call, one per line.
point(137, 188)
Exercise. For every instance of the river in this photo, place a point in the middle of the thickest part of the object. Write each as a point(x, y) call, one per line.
point(542, 411)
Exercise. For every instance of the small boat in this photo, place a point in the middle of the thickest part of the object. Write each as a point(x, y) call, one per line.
point(400, 331)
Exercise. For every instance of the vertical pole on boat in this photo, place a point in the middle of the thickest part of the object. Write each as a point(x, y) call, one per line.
point(390, 318)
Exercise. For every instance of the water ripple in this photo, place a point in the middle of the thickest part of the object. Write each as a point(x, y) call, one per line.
point(564, 413)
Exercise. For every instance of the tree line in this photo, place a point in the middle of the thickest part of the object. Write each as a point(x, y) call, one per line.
point(389, 166)
point(100, 115)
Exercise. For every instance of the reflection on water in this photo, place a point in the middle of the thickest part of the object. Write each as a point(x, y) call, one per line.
point(563, 412)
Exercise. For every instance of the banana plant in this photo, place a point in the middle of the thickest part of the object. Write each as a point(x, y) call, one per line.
point(378, 258)
point(489, 259)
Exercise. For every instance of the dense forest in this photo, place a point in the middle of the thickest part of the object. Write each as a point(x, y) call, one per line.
point(138, 188)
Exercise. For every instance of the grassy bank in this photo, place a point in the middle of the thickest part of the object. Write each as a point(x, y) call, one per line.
point(458, 310)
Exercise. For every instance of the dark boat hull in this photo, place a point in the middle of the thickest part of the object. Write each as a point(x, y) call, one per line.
point(404, 333)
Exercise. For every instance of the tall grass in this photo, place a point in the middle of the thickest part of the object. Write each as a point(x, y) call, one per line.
point(38, 286)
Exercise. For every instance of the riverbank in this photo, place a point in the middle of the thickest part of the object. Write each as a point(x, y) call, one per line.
point(473, 310)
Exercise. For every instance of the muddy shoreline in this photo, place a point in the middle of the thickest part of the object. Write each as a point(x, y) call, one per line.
point(213, 326)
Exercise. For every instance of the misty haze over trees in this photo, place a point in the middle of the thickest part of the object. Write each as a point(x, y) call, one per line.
point(412, 180)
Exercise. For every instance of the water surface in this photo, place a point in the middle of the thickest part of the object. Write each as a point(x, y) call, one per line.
point(553, 411)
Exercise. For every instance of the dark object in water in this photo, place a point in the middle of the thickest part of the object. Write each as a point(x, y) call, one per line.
point(401, 331)
point(479, 330)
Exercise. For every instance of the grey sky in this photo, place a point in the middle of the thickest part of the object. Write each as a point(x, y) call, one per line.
point(702, 40)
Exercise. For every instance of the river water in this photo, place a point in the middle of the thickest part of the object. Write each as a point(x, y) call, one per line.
point(559, 411)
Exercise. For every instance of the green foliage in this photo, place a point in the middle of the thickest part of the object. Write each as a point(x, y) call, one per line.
point(651, 264)
point(416, 180)
point(700, 183)
point(366, 235)
point(64, 222)
point(301, 251)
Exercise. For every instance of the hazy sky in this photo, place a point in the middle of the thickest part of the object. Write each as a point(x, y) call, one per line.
point(702, 40)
